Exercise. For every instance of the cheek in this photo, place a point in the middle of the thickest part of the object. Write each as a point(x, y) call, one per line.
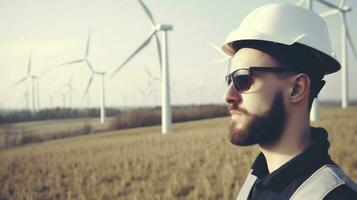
point(254, 103)
point(259, 101)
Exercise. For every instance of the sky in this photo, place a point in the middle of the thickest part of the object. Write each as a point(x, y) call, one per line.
point(56, 32)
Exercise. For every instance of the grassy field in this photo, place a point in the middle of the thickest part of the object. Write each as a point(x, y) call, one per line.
point(51, 128)
point(196, 161)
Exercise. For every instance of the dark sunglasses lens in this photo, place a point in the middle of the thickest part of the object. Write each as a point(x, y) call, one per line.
point(241, 80)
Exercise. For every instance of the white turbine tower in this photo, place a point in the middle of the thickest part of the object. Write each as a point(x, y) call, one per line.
point(342, 9)
point(86, 93)
point(166, 118)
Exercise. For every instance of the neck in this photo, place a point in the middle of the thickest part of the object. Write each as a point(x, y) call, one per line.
point(294, 139)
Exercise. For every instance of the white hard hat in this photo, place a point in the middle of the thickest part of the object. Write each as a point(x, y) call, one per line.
point(286, 24)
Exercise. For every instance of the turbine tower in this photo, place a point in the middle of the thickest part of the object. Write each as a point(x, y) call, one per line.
point(342, 9)
point(166, 118)
point(86, 93)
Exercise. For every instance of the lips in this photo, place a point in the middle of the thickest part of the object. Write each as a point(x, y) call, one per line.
point(236, 112)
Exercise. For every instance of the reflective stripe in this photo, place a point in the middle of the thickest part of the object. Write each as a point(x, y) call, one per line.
point(247, 186)
point(323, 181)
point(316, 187)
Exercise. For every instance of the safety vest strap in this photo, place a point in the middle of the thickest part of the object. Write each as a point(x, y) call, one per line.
point(247, 186)
point(317, 186)
point(323, 181)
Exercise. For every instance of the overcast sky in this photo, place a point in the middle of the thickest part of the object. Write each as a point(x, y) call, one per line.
point(56, 32)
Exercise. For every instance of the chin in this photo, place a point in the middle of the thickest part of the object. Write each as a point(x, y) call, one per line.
point(238, 134)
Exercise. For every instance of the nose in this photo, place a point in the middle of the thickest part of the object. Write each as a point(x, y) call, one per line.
point(231, 96)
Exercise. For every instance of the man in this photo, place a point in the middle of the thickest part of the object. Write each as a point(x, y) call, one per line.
point(280, 54)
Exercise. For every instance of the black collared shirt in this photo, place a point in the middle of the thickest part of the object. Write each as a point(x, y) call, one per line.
point(283, 182)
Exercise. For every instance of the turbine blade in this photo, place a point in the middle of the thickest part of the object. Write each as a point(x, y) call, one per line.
point(89, 65)
point(147, 71)
point(146, 42)
point(87, 46)
point(71, 62)
point(329, 13)
point(328, 4)
point(147, 12)
point(19, 81)
point(88, 86)
point(29, 65)
point(158, 44)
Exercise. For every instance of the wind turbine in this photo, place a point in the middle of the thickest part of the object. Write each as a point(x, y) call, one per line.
point(26, 99)
point(201, 86)
point(70, 89)
point(342, 9)
point(94, 72)
point(152, 79)
point(30, 80)
point(166, 118)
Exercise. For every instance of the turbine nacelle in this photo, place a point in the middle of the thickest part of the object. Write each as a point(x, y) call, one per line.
point(163, 27)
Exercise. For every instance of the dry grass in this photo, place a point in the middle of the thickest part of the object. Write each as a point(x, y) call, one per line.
point(195, 162)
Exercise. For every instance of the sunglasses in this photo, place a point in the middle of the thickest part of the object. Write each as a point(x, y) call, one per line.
point(241, 78)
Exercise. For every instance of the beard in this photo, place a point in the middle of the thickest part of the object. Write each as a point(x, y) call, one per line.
point(265, 129)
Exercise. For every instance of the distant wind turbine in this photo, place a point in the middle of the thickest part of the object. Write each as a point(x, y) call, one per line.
point(152, 79)
point(94, 72)
point(70, 90)
point(166, 117)
point(30, 79)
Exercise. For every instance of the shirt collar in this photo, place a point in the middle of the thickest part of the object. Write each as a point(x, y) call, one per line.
point(309, 160)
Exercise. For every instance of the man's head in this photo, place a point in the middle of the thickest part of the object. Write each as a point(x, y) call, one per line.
point(259, 113)
point(295, 42)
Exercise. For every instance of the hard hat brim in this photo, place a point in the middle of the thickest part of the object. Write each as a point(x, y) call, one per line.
point(327, 65)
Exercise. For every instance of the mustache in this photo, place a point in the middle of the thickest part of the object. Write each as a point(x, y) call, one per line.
point(236, 108)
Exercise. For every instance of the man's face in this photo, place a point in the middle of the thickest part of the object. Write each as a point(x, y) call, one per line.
point(258, 114)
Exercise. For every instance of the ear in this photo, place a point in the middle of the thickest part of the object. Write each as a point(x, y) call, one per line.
point(299, 88)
